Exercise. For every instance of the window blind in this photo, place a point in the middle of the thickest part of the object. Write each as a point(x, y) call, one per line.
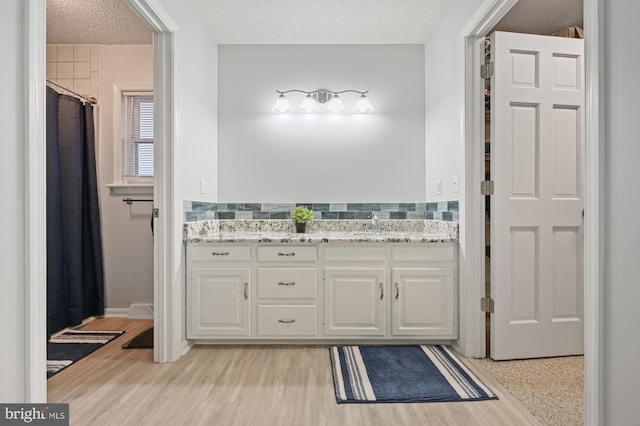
point(137, 134)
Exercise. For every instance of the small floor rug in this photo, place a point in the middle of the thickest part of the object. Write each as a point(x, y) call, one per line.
point(71, 346)
point(143, 340)
point(425, 373)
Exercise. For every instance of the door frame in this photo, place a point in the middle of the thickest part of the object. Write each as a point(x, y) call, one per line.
point(168, 335)
point(169, 341)
point(472, 273)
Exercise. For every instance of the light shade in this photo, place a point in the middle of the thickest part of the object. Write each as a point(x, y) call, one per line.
point(309, 105)
point(362, 106)
point(335, 105)
point(282, 105)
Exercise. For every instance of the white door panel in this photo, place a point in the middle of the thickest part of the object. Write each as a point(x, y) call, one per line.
point(354, 301)
point(537, 164)
point(422, 301)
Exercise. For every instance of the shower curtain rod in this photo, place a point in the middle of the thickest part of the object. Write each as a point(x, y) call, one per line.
point(91, 100)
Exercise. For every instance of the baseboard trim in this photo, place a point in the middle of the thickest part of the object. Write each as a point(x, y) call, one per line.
point(116, 312)
point(140, 311)
point(186, 346)
point(135, 311)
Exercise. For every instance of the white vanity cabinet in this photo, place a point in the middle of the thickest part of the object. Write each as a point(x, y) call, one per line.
point(422, 302)
point(287, 290)
point(324, 292)
point(423, 290)
point(354, 278)
point(218, 291)
point(354, 301)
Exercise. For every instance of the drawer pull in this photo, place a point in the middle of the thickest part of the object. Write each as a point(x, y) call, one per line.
point(287, 254)
point(381, 291)
point(286, 283)
point(286, 321)
point(246, 291)
point(220, 253)
point(397, 291)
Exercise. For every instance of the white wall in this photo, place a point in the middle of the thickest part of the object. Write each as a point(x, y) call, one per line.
point(444, 93)
point(12, 261)
point(445, 145)
point(265, 156)
point(126, 230)
point(197, 95)
point(196, 92)
point(621, 349)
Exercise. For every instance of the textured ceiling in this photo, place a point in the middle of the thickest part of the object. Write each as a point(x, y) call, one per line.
point(94, 22)
point(320, 21)
point(542, 16)
point(295, 21)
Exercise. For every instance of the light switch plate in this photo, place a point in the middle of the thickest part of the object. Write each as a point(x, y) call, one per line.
point(439, 186)
point(202, 186)
point(456, 184)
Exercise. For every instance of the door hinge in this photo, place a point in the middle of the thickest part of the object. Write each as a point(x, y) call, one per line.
point(486, 187)
point(156, 212)
point(486, 71)
point(486, 304)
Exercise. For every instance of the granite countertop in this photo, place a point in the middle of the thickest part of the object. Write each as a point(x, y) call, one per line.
point(325, 231)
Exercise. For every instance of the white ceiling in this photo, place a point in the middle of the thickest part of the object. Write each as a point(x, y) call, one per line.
point(321, 21)
point(94, 22)
point(295, 21)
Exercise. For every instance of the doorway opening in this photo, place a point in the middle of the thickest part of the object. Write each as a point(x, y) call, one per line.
point(481, 163)
point(111, 62)
point(538, 169)
point(168, 344)
point(535, 257)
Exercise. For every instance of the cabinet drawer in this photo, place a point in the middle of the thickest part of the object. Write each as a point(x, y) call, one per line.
point(351, 253)
point(287, 254)
point(422, 253)
point(287, 283)
point(217, 252)
point(287, 320)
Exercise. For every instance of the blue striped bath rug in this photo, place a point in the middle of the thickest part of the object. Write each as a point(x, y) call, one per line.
point(425, 373)
point(71, 346)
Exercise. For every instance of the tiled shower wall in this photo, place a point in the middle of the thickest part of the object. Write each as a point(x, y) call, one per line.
point(74, 67)
point(443, 210)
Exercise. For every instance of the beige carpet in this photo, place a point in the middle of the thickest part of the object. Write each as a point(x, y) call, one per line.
point(550, 388)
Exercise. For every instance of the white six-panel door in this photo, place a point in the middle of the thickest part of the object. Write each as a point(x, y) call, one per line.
point(537, 164)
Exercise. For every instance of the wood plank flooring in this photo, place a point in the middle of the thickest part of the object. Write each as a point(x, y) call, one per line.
point(241, 385)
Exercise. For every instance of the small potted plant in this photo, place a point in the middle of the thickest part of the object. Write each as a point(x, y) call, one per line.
point(301, 215)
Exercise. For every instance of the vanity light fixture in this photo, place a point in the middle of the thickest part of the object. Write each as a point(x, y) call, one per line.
point(335, 105)
point(330, 101)
point(363, 106)
point(282, 104)
point(309, 105)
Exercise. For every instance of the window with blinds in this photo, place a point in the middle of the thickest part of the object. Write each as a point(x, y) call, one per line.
point(137, 134)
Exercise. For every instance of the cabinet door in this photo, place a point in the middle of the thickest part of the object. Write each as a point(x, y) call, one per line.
point(354, 301)
point(219, 302)
point(423, 302)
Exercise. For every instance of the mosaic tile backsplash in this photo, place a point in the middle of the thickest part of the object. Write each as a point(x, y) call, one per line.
point(443, 210)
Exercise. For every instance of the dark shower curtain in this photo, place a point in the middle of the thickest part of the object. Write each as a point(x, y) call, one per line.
point(75, 284)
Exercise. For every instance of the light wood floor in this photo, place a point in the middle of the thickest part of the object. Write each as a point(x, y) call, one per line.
point(241, 385)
